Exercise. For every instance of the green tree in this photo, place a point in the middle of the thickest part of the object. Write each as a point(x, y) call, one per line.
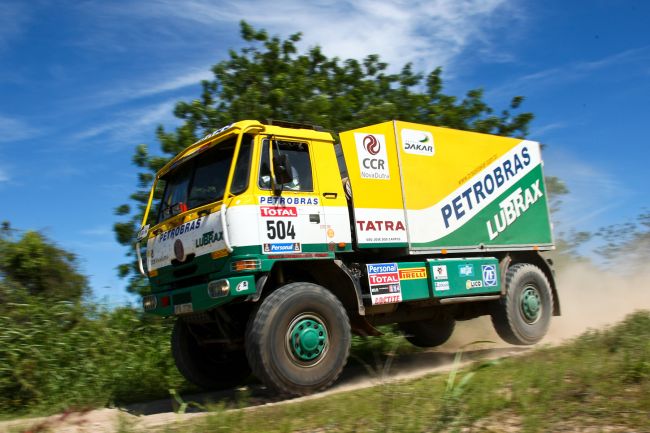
point(33, 266)
point(270, 79)
point(627, 243)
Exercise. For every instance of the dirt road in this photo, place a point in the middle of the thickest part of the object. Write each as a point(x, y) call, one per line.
point(590, 298)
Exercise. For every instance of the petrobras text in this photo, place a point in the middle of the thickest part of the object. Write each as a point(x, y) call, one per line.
point(487, 185)
point(183, 228)
point(285, 201)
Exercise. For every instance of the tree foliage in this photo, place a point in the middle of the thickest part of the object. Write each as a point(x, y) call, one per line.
point(270, 79)
point(627, 243)
point(33, 266)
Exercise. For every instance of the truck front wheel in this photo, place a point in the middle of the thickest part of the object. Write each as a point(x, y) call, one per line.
point(523, 316)
point(428, 333)
point(207, 366)
point(298, 340)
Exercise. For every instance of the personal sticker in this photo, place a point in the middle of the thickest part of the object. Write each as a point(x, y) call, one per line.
point(283, 247)
point(384, 283)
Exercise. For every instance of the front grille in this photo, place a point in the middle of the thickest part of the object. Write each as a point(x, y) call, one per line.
point(187, 282)
point(185, 271)
point(182, 298)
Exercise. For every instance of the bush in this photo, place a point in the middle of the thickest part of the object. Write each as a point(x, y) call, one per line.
point(61, 354)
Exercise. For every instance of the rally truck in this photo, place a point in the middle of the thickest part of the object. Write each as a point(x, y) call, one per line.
point(269, 251)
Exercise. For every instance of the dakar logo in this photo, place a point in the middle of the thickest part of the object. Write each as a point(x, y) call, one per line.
point(371, 144)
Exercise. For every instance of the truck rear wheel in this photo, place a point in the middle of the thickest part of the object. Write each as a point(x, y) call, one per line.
point(210, 366)
point(428, 333)
point(298, 341)
point(523, 316)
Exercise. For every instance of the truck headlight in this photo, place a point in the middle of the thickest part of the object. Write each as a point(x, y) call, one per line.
point(149, 302)
point(218, 288)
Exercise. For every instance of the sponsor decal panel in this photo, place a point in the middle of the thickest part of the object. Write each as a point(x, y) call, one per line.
point(441, 286)
point(242, 286)
point(181, 229)
point(288, 201)
point(384, 282)
point(440, 272)
point(489, 275)
point(466, 270)
point(208, 238)
point(417, 142)
point(202, 235)
point(278, 211)
point(512, 207)
point(413, 273)
point(372, 155)
point(282, 247)
point(379, 225)
point(458, 209)
point(477, 192)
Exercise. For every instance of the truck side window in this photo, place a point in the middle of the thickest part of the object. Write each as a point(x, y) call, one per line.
point(300, 163)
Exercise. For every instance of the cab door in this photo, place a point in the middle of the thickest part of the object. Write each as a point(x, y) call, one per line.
point(291, 222)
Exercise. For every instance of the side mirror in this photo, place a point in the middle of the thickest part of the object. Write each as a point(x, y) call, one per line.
point(282, 169)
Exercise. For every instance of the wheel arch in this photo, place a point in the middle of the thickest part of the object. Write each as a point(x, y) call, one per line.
point(331, 274)
point(534, 258)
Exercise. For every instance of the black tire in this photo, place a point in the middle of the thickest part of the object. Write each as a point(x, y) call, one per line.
point(209, 367)
point(428, 333)
point(274, 328)
point(523, 316)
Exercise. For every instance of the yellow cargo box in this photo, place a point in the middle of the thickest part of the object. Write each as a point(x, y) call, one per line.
point(433, 189)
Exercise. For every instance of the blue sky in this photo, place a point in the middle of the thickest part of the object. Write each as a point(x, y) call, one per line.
point(83, 82)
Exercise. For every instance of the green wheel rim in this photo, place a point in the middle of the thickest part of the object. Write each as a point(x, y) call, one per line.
point(307, 339)
point(531, 304)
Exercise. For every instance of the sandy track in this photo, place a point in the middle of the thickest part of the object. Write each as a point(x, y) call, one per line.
point(590, 298)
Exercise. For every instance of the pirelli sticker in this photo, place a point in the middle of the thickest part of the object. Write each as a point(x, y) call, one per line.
point(413, 273)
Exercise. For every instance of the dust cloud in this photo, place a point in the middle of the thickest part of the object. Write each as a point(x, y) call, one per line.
point(591, 297)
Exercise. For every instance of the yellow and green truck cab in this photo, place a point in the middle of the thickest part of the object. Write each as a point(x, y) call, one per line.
point(269, 250)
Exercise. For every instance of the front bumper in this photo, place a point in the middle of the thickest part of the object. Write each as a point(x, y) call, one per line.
point(200, 297)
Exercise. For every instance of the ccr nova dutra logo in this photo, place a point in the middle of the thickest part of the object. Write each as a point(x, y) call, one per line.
point(372, 155)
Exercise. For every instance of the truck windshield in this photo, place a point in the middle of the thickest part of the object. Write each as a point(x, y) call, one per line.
point(202, 179)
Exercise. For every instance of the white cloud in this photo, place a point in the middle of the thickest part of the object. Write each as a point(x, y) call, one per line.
point(594, 191)
point(151, 86)
point(4, 177)
point(12, 129)
point(572, 72)
point(538, 132)
point(129, 125)
point(428, 33)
